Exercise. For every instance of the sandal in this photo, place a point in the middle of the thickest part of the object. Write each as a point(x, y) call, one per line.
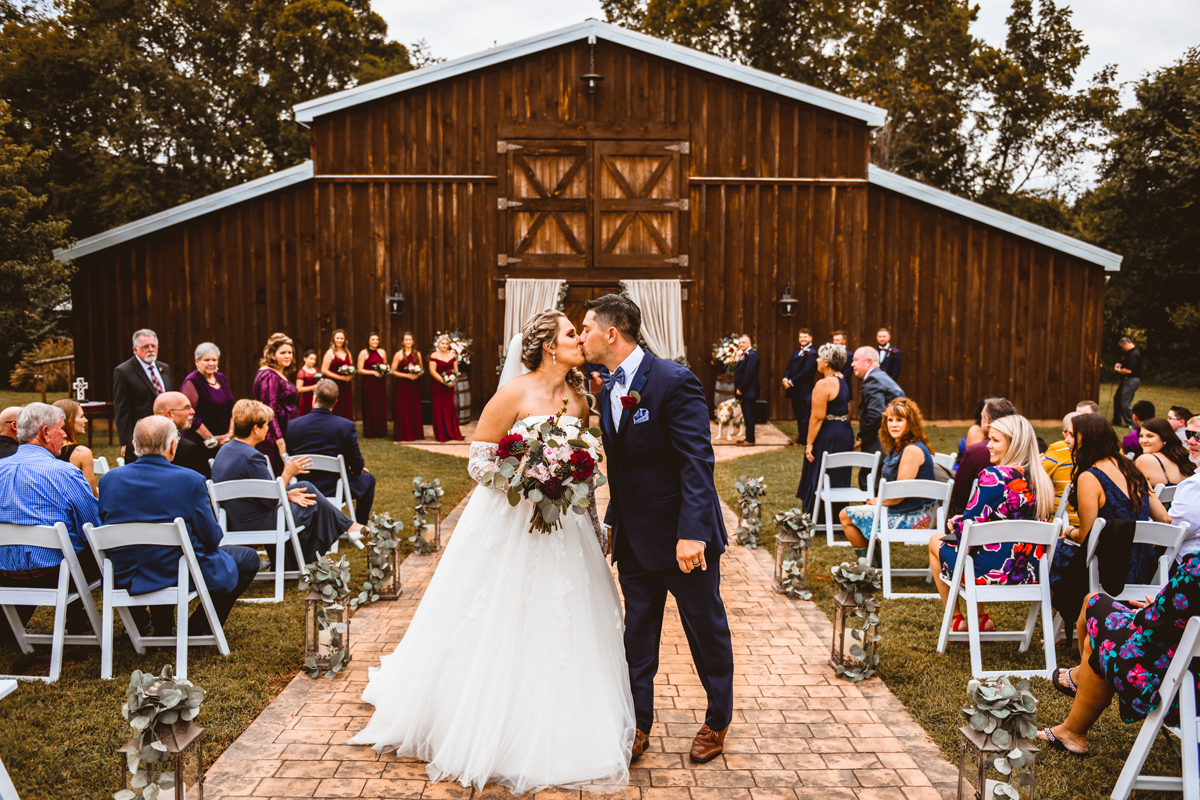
point(1070, 689)
point(954, 622)
point(1055, 744)
point(984, 621)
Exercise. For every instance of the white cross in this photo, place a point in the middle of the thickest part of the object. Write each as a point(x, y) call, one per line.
point(80, 386)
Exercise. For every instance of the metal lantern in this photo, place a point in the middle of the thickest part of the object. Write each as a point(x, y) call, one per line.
point(436, 510)
point(395, 301)
point(391, 587)
point(839, 654)
point(977, 753)
point(185, 744)
point(784, 541)
point(787, 303)
point(319, 641)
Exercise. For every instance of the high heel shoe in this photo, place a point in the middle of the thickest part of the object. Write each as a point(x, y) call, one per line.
point(356, 538)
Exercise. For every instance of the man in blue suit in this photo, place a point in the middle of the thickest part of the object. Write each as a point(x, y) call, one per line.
point(798, 381)
point(878, 389)
point(154, 490)
point(321, 433)
point(745, 386)
point(665, 516)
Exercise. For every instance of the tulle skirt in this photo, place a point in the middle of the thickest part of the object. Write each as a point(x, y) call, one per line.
point(513, 669)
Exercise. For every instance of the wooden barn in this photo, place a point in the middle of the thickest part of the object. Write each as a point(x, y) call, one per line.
point(594, 155)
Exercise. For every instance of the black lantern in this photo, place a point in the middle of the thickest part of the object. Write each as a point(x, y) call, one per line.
point(787, 303)
point(592, 80)
point(395, 301)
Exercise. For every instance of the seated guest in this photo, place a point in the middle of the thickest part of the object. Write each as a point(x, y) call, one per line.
point(1178, 416)
point(975, 434)
point(176, 407)
point(8, 430)
point(1164, 458)
point(38, 489)
point(1087, 407)
point(156, 490)
point(1056, 461)
point(878, 390)
point(977, 457)
point(1125, 649)
point(321, 433)
point(1108, 486)
point(1142, 411)
point(907, 457)
point(1185, 509)
point(239, 460)
point(72, 451)
point(1014, 487)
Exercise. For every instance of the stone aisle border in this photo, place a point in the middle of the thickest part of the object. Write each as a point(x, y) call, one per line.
point(798, 733)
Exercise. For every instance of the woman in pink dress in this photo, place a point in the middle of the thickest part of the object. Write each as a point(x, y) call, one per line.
point(374, 402)
point(337, 358)
point(406, 411)
point(306, 381)
point(443, 367)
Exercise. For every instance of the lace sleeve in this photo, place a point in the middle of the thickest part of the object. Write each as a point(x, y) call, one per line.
point(601, 532)
point(483, 461)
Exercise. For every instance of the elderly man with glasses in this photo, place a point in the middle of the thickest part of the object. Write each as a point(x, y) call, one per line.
point(176, 407)
point(136, 384)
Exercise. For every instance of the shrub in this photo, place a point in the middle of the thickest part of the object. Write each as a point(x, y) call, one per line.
point(58, 376)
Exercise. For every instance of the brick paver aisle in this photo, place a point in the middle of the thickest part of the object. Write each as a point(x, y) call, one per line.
point(798, 732)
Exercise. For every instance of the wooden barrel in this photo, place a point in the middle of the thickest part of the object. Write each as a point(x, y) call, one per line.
point(723, 390)
point(462, 398)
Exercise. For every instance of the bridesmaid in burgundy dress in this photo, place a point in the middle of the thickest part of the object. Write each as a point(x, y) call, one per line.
point(306, 381)
point(337, 357)
point(374, 402)
point(273, 388)
point(406, 413)
point(443, 368)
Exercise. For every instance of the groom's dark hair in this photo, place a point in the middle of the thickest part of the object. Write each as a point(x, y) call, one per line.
point(615, 311)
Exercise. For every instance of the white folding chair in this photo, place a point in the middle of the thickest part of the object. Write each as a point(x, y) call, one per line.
point(7, 790)
point(72, 586)
point(826, 495)
point(1159, 534)
point(100, 466)
point(1164, 493)
point(285, 529)
point(120, 461)
point(340, 499)
point(1179, 682)
point(945, 461)
point(886, 536)
point(190, 586)
point(1037, 594)
point(1064, 503)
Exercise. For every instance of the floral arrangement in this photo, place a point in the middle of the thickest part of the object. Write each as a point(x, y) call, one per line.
point(149, 703)
point(425, 494)
point(384, 538)
point(346, 369)
point(795, 561)
point(550, 465)
point(1007, 716)
point(859, 582)
point(727, 353)
point(414, 368)
point(750, 491)
point(383, 369)
point(450, 378)
point(459, 343)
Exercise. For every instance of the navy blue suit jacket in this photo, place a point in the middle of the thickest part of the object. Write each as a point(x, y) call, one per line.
point(891, 363)
point(321, 433)
point(238, 461)
point(745, 377)
point(878, 389)
point(802, 371)
point(660, 470)
point(155, 490)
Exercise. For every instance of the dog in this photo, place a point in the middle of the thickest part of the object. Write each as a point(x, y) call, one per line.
point(730, 413)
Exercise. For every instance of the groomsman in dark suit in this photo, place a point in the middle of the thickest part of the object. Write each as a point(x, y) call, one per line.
point(839, 337)
point(878, 389)
point(798, 383)
point(889, 357)
point(322, 433)
point(137, 382)
point(745, 385)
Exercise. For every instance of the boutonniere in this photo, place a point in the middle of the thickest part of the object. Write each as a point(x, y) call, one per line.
point(630, 400)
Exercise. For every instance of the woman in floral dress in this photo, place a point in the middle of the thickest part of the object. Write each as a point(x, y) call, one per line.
point(272, 387)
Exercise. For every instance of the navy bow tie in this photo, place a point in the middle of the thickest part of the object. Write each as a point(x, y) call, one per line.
point(615, 377)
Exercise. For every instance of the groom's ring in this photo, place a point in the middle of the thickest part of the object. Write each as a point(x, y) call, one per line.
point(695, 563)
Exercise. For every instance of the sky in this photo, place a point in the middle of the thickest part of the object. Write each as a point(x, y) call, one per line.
point(1137, 36)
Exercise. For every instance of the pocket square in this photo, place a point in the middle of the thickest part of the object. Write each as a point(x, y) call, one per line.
point(641, 415)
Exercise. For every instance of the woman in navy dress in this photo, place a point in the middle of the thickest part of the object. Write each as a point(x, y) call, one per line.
point(374, 402)
point(406, 414)
point(443, 368)
point(272, 388)
point(829, 428)
point(337, 358)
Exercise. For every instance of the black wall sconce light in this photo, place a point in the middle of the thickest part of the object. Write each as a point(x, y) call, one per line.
point(787, 303)
point(395, 301)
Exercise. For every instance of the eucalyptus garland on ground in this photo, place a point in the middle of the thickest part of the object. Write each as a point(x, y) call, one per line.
point(331, 581)
point(149, 703)
point(384, 538)
point(795, 582)
point(1007, 716)
point(750, 491)
point(860, 581)
point(425, 493)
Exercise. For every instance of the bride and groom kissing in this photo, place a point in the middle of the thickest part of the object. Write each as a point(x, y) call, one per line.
point(517, 667)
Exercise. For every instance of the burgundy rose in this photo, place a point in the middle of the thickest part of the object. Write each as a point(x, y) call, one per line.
point(582, 465)
point(628, 402)
point(552, 488)
point(512, 445)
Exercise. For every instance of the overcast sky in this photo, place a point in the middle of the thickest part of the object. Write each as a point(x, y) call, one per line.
point(1137, 36)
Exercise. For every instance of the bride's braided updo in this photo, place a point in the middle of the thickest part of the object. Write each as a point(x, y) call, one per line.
point(542, 329)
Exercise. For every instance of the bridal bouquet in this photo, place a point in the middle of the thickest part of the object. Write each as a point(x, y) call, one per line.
point(727, 353)
point(549, 464)
point(346, 369)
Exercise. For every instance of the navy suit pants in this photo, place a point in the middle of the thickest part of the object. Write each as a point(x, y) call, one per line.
point(802, 408)
point(362, 489)
point(748, 415)
point(162, 618)
point(698, 597)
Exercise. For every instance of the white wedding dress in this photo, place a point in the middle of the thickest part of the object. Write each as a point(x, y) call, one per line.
point(513, 669)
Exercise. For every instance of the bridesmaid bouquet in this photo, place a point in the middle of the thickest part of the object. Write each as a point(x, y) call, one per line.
point(415, 369)
point(346, 369)
point(383, 369)
point(450, 378)
point(548, 464)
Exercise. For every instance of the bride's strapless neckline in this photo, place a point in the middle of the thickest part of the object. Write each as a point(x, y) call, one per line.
point(548, 416)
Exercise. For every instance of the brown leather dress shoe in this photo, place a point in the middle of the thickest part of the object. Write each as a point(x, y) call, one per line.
point(707, 745)
point(640, 740)
point(744, 443)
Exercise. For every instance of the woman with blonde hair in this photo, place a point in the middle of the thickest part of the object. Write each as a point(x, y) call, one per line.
point(72, 451)
point(336, 359)
point(1015, 487)
point(443, 368)
point(272, 388)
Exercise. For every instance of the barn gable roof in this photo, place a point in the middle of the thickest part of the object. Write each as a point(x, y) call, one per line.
point(591, 30)
point(996, 219)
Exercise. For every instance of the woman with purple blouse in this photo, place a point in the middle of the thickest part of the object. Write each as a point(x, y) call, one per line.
point(272, 387)
point(210, 395)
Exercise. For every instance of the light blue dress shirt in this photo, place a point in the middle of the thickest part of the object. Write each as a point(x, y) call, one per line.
point(38, 489)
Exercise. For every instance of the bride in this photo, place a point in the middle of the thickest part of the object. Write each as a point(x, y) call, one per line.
point(513, 670)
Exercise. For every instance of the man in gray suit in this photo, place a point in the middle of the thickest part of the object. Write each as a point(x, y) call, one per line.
point(878, 389)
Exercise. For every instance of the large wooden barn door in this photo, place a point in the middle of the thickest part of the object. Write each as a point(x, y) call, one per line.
point(638, 203)
point(548, 193)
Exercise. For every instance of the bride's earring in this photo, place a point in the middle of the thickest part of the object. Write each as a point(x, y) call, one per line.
point(554, 359)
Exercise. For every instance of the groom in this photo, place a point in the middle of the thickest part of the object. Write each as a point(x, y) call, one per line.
point(667, 530)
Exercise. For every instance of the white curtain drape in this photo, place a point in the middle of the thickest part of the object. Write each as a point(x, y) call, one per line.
point(661, 303)
point(524, 297)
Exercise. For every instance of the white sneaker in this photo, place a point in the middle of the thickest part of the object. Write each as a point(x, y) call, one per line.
point(356, 538)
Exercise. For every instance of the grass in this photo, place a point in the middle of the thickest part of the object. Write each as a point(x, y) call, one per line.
point(70, 752)
point(933, 686)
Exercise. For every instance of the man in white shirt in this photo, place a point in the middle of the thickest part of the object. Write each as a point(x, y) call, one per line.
point(137, 383)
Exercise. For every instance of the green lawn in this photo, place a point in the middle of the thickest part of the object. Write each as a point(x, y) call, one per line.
point(69, 753)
